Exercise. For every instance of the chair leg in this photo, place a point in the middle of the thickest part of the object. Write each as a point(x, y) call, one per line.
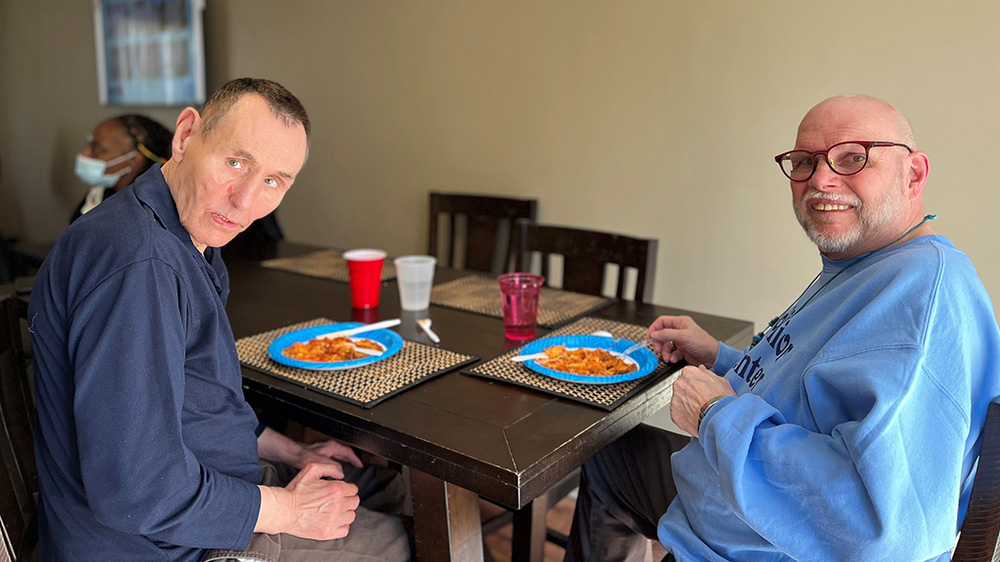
point(491, 525)
point(554, 496)
point(529, 532)
point(555, 537)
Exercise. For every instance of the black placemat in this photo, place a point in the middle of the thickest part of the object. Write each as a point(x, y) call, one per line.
point(604, 396)
point(480, 294)
point(363, 386)
point(328, 264)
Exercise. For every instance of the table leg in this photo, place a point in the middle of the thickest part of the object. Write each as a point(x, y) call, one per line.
point(529, 531)
point(445, 520)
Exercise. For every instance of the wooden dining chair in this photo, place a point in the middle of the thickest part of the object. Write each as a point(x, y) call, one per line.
point(19, 477)
point(586, 255)
point(6, 259)
point(978, 540)
point(478, 230)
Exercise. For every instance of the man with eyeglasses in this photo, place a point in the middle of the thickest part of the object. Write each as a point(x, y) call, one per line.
point(850, 427)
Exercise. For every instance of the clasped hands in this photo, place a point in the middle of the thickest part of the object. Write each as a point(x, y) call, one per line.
point(677, 338)
point(317, 504)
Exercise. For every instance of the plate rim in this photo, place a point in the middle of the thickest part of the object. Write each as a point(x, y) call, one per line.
point(537, 346)
point(274, 350)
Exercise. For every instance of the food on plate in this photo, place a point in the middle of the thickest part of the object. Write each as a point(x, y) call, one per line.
point(330, 350)
point(585, 361)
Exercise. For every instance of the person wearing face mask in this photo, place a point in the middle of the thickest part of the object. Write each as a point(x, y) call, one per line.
point(118, 151)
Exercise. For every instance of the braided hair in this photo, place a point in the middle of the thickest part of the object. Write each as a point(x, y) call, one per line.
point(151, 138)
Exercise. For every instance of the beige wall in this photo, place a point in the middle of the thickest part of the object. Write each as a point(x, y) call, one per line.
point(656, 119)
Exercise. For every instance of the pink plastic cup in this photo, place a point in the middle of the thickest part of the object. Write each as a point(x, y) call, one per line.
point(365, 269)
point(519, 299)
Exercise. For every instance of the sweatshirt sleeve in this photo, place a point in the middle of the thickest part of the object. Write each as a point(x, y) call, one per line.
point(862, 490)
point(725, 359)
point(127, 344)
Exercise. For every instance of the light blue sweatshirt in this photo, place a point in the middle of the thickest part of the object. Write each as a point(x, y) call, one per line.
point(857, 423)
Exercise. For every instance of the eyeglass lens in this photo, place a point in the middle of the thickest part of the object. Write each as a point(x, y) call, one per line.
point(844, 159)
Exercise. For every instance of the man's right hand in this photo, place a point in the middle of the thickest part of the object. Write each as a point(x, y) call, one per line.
point(312, 506)
point(679, 337)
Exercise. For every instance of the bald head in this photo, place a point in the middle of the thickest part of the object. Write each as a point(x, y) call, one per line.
point(879, 119)
point(849, 214)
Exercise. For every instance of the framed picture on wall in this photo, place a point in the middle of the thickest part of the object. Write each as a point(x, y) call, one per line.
point(150, 52)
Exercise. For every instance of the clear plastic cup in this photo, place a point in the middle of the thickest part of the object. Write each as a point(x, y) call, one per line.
point(519, 299)
point(415, 275)
point(365, 269)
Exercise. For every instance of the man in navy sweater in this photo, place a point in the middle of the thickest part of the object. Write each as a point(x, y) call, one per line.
point(146, 448)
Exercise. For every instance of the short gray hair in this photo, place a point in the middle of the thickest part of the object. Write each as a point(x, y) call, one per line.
point(282, 103)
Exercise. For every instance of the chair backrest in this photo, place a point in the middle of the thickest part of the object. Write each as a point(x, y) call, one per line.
point(585, 254)
point(488, 222)
point(6, 260)
point(19, 477)
point(8, 267)
point(978, 539)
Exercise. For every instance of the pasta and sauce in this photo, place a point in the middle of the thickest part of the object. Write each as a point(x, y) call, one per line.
point(585, 361)
point(330, 350)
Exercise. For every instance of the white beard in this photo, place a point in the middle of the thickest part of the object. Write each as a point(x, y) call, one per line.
point(871, 219)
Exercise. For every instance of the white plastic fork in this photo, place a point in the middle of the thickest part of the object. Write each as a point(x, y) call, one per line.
point(529, 357)
point(366, 350)
point(425, 325)
point(360, 329)
point(541, 355)
point(635, 347)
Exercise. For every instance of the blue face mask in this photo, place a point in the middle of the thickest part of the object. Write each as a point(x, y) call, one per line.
point(91, 170)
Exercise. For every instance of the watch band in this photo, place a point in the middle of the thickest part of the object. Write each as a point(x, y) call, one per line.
point(704, 409)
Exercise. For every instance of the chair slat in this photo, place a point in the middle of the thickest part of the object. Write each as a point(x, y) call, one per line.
point(19, 478)
point(981, 528)
point(585, 254)
point(488, 221)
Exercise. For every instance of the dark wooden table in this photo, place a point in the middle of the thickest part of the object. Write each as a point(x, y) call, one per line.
point(461, 436)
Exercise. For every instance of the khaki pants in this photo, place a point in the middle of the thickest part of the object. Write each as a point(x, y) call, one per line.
point(378, 531)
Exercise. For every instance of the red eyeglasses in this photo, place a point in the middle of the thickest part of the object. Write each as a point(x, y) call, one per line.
point(845, 158)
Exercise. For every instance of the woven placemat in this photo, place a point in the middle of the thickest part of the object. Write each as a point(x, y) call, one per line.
point(363, 386)
point(328, 264)
point(605, 396)
point(476, 293)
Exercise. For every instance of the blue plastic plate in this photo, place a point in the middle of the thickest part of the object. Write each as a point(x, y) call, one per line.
point(391, 340)
point(643, 357)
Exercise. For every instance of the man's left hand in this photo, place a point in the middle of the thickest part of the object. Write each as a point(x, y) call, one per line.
point(275, 447)
point(327, 452)
point(692, 389)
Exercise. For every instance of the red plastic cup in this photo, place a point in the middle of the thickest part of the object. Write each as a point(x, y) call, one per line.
point(519, 300)
point(365, 269)
point(365, 315)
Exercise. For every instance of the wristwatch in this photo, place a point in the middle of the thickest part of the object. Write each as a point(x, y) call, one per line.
point(705, 407)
